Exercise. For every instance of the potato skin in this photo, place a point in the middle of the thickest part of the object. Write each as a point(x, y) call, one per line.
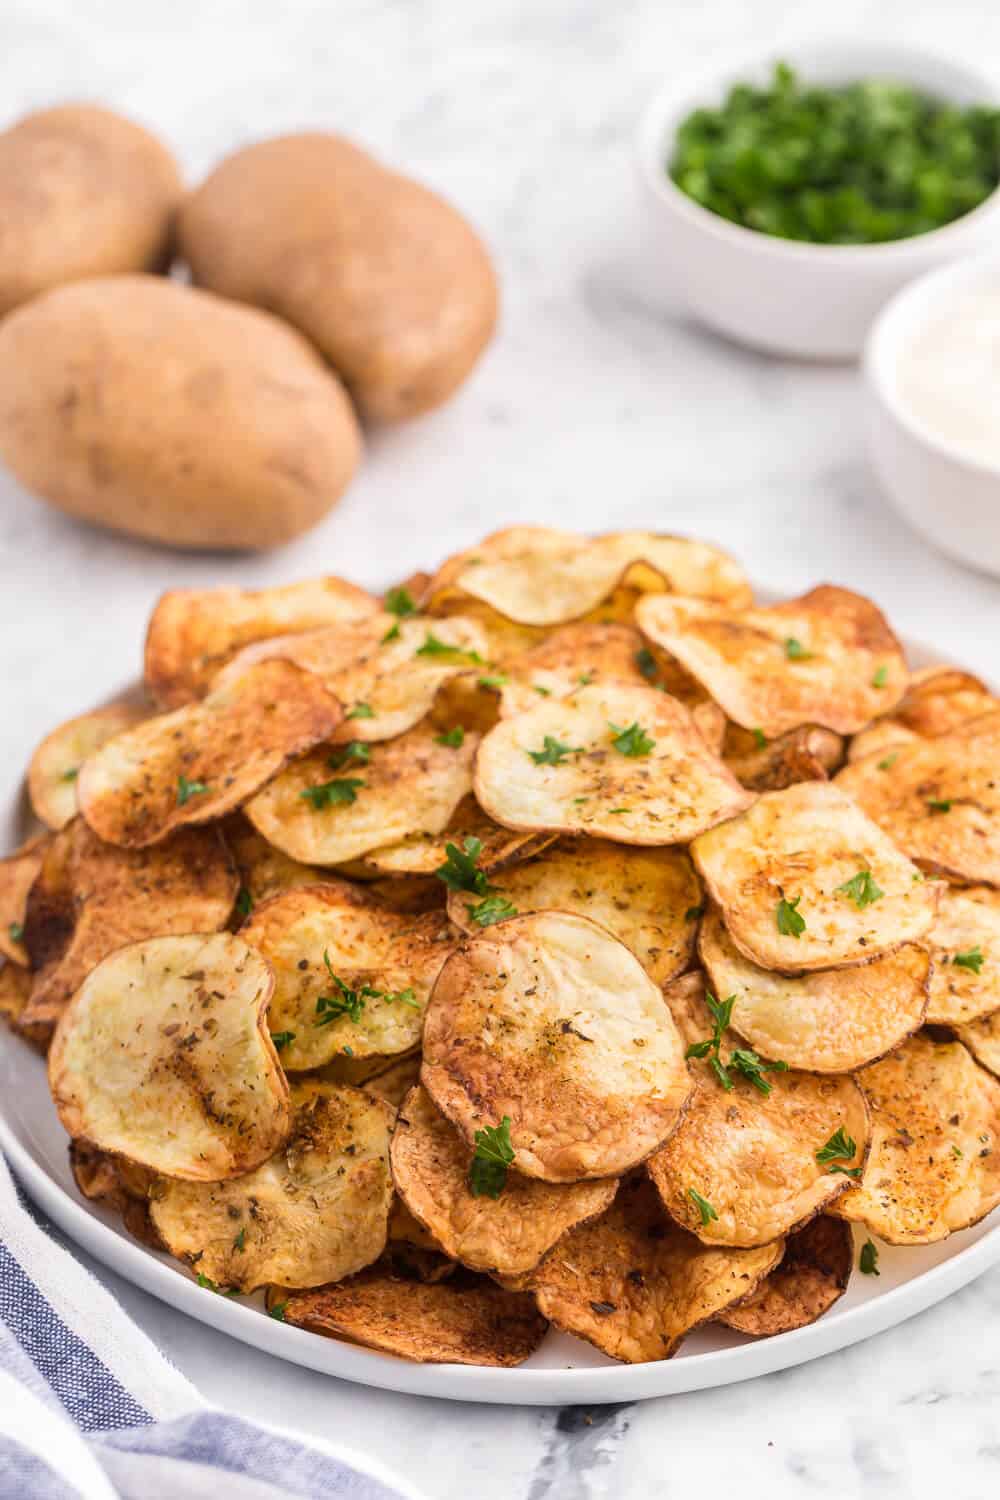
point(170, 414)
point(388, 280)
point(83, 192)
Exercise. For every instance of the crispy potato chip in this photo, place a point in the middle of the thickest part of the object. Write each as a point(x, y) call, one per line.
point(390, 1078)
point(965, 945)
point(410, 895)
point(940, 699)
point(939, 799)
point(505, 639)
point(193, 633)
point(199, 762)
point(468, 702)
point(510, 542)
point(934, 1163)
point(576, 656)
point(464, 1320)
point(263, 869)
point(549, 1020)
point(121, 1186)
point(751, 1156)
point(830, 1021)
point(18, 873)
point(649, 899)
point(982, 1037)
point(423, 853)
point(15, 987)
point(623, 762)
point(163, 1057)
point(56, 763)
point(828, 658)
point(812, 1275)
point(317, 1211)
point(883, 738)
point(508, 1234)
point(323, 810)
point(806, 754)
point(634, 1284)
point(412, 1252)
point(349, 974)
point(806, 881)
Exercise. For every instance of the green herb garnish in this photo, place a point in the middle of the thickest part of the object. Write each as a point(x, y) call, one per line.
point(240, 1242)
point(786, 914)
point(491, 909)
point(399, 602)
point(460, 871)
point(452, 738)
point(742, 1060)
point(498, 680)
point(795, 651)
point(434, 647)
point(861, 889)
point(340, 792)
point(633, 741)
point(553, 752)
point(759, 738)
point(392, 634)
point(493, 1155)
point(354, 750)
point(839, 1148)
point(16, 931)
point(646, 662)
point(972, 958)
point(71, 774)
point(889, 762)
point(282, 1039)
point(360, 711)
point(881, 677)
point(868, 1259)
point(703, 1206)
point(278, 1311)
point(938, 805)
point(244, 901)
point(188, 789)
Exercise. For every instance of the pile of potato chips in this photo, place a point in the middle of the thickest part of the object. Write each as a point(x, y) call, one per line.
point(562, 938)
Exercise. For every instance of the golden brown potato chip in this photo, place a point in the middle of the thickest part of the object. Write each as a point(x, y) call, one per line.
point(934, 1163)
point(883, 738)
point(806, 754)
point(982, 1037)
point(123, 1187)
point(634, 1284)
point(576, 656)
point(508, 1234)
point(830, 1021)
point(649, 899)
point(623, 762)
point(965, 945)
point(940, 699)
point(349, 974)
point(550, 1021)
point(828, 658)
point(410, 895)
point(464, 1320)
point(812, 1275)
point(390, 1078)
point(745, 1166)
point(163, 1056)
point(411, 1251)
point(806, 881)
point(505, 639)
point(263, 869)
point(199, 762)
point(468, 702)
point(56, 763)
point(15, 987)
point(317, 1211)
point(423, 853)
point(939, 799)
point(326, 809)
point(18, 873)
point(193, 633)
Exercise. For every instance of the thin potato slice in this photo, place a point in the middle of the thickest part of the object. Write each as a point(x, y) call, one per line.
point(934, 1163)
point(648, 898)
point(965, 944)
point(264, 870)
point(508, 1234)
point(812, 1276)
point(163, 1057)
point(193, 633)
point(120, 1186)
point(15, 987)
point(549, 1020)
point(423, 853)
point(634, 1285)
point(410, 895)
point(316, 1211)
point(830, 1021)
point(752, 1156)
point(806, 754)
point(406, 786)
point(883, 738)
point(55, 765)
point(806, 881)
point(386, 965)
point(199, 762)
point(660, 784)
point(982, 1037)
point(505, 640)
point(828, 658)
point(940, 699)
point(18, 873)
point(576, 656)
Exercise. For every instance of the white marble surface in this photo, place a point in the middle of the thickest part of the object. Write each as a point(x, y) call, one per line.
point(596, 407)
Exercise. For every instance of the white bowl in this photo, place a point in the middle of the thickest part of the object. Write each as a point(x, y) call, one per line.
point(951, 497)
point(783, 296)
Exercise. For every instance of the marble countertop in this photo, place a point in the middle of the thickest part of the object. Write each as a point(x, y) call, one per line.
point(598, 406)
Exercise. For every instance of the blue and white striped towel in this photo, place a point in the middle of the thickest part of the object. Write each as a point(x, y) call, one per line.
point(90, 1409)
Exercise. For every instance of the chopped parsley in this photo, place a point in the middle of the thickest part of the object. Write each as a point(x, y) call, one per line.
point(213, 1286)
point(972, 958)
point(742, 1060)
point(71, 774)
point(434, 647)
point(240, 1242)
point(392, 634)
point(344, 754)
point(585, 679)
point(498, 680)
point(188, 789)
point(861, 889)
point(868, 1259)
point(460, 871)
point(938, 805)
point(790, 923)
point(889, 762)
point(399, 602)
point(350, 1001)
point(745, 1061)
point(360, 711)
point(694, 914)
point(703, 1206)
point(282, 1039)
point(278, 1311)
point(491, 1158)
point(543, 692)
point(646, 662)
point(16, 931)
point(881, 677)
point(491, 909)
point(452, 738)
point(759, 738)
point(553, 752)
point(795, 651)
point(839, 1148)
point(633, 741)
point(244, 901)
point(340, 792)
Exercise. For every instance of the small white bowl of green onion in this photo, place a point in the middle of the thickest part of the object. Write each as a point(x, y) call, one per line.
point(790, 193)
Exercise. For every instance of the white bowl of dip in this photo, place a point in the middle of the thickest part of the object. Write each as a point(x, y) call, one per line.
point(932, 369)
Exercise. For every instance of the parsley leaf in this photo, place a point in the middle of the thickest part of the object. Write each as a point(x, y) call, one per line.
point(861, 889)
point(453, 738)
point(278, 1311)
point(392, 634)
point(434, 647)
point(694, 913)
point(347, 1002)
point(244, 901)
point(759, 738)
point(703, 1206)
point(460, 872)
point(938, 805)
point(491, 909)
point(493, 1155)
point(360, 711)
point(71, 774)
point(16, 931)
point(795, 651)
point(889, 762)
point(281, 1039)
point(790, 923)
point(344, 754)
point(646, 662)
point(744, 1060)
point(340, 792)
point(498, 680)
point(240, 1242)
point(188, 789)
point(881, 677)
point(399, 602)
point(839, 1148)
point(972, 958)
point(633, 741)
point(554, 752)
point(868, 1259)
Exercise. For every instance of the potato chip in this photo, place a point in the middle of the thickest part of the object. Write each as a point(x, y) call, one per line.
point(549, 1020)
point(576, 656)
point(806, 881)
point(634, 1284)
point(965, 945)
point(119, 1186)
point(830, 1021)
point(15, 987)
point(468, 701)
point(940, 699)
point(504, 639)
point(508, 1234)
point(163, 1056)
point(412, 1252)
point(828, 658)
point(193, 633)
point(883, 738)
point(199, 762)
point(326, 809)
point(263, 869)
point(806, 754)
point(423, 853)
point(982, 1037)
point(746, 1163)
point(623, 762)
point(56, 763)
point(18, 873)
point(315, 1212)
point(410, 895)
point(649, 899)
point(812, 1275)
point(390, 1078)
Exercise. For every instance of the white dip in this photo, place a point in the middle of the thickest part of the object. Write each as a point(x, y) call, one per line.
point(948, 375)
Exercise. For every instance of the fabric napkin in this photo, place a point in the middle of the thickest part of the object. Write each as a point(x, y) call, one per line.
point(91, 1410)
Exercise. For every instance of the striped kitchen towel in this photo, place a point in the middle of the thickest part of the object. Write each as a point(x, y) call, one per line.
point(90, 1409)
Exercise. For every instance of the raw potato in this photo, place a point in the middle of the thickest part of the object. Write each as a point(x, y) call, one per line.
point(830, 1021)
point(386, 279)
point(163, 412)
point(812, 1276)
point(18, 873)
point(934, 1163)
point(549, 1020)
point(194, 633)
point(649, 899)
point(163, 1057)
point(317, 1211)
point(828, 658)
point(423, 853)
point(982, 1038)
point(83, 192)
point(666, 795)
point(798, 849)
point(806, 754)
point(509, 1234)
point(633, 1284)
point(201, 761)
point(56, 763)
point(967, 928)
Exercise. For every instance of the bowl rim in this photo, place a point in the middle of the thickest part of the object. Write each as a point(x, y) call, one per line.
point(663, 111)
